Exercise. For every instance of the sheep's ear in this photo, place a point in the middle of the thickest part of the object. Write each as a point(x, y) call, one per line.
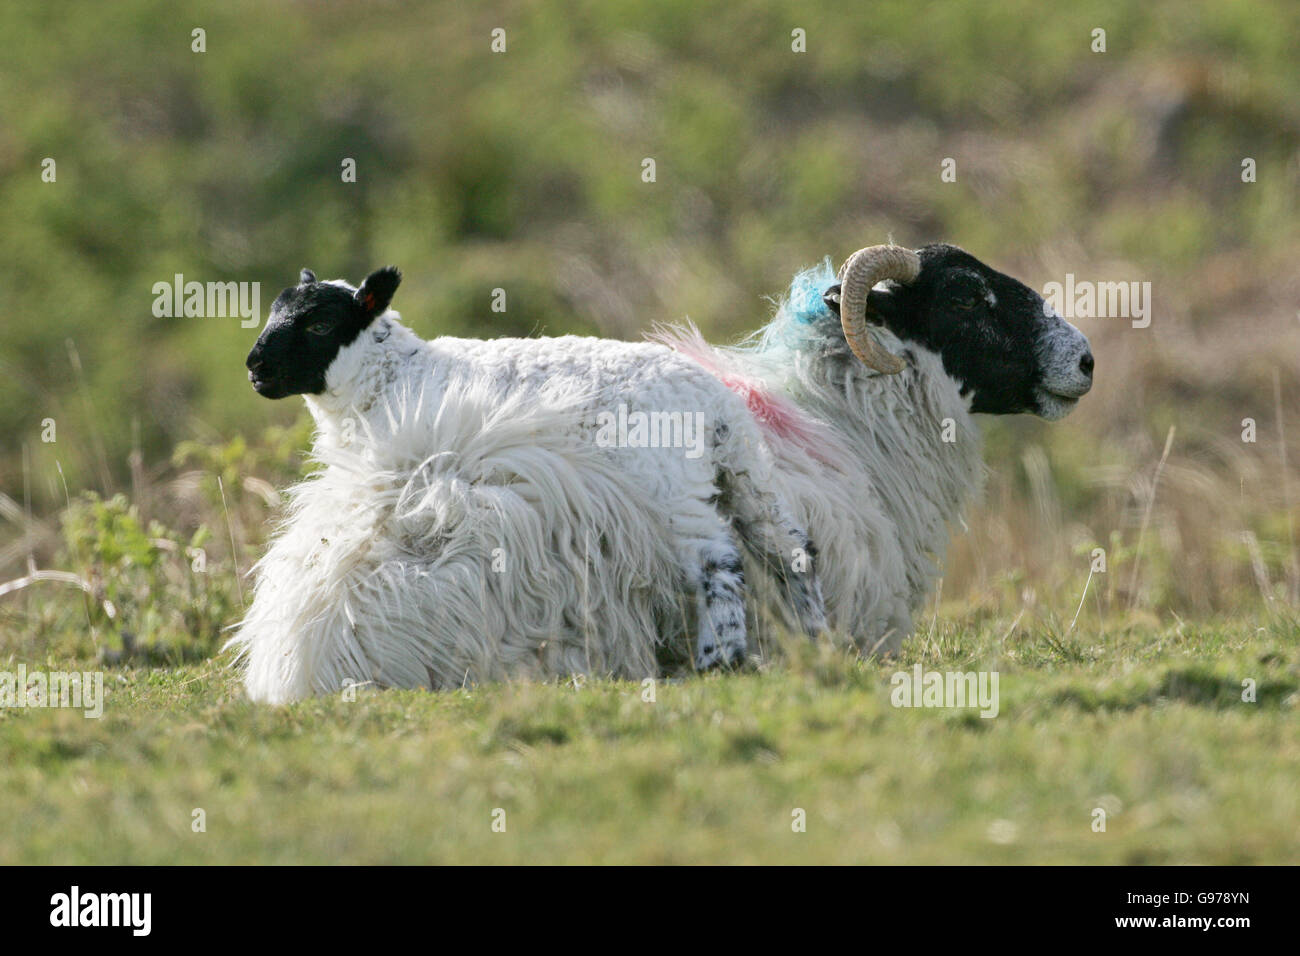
point(377, 291)
point(306, 276)
point(832, 298)
point(883, 308)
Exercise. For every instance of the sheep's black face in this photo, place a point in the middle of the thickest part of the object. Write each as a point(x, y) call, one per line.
point(308, 326)
point(997, 337)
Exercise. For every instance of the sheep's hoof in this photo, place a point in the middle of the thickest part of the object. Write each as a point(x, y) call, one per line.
point(713, 656)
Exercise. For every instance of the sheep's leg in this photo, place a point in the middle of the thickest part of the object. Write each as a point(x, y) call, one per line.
point(721, 600)
point(785, 549)
point(796, 568)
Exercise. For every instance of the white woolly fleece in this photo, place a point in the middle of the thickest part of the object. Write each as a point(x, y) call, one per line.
point(466, 524)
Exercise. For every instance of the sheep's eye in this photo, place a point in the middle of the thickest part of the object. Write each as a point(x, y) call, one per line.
point(319, 328)
point(966, 302)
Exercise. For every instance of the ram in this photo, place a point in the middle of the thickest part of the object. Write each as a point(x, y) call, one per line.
point(495, 509)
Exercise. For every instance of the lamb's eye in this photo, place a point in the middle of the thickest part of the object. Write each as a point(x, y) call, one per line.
point(966, 302)
point(319, 328)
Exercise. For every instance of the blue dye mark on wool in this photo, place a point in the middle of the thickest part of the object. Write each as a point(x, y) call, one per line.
point(795, 324)
point(804, 302)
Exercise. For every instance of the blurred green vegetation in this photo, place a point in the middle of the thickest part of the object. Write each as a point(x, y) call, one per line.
point(522, 171)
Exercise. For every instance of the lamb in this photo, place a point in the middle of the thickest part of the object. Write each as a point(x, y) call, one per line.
point(528, 508)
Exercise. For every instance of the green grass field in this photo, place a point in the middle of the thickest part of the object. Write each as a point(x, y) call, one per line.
point(1147, 723)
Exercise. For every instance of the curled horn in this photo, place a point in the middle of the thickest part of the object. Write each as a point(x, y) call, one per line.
point(859, 273)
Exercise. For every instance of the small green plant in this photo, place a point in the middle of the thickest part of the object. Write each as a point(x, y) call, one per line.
point(157, 593)
point(237, 463)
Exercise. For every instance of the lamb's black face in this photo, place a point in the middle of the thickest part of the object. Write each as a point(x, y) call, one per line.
point(997, 337)
point(308, 326)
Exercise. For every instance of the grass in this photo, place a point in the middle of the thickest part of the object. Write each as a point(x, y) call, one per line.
point(1146, 722)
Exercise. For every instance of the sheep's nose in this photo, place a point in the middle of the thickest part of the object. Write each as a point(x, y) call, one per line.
point(1085, 364)
point(254, 361)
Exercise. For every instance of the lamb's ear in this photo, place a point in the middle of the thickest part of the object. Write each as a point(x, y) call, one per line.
point(377, 291)
point(306, 277)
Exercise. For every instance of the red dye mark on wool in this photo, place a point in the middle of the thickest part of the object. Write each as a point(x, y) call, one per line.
point(776, 414)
